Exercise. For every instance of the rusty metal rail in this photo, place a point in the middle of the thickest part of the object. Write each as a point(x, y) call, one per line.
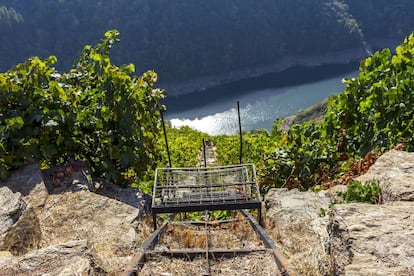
point(269, 243)
point(149, 252)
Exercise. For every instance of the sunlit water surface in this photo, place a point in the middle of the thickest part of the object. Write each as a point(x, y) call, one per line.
point(258, 109)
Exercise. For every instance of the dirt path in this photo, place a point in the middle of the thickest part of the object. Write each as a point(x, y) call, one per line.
point(210, 155)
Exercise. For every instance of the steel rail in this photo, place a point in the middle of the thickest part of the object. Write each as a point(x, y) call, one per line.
point(139, 260)
point(209, 253)
point(206, 226)
point(280, 260)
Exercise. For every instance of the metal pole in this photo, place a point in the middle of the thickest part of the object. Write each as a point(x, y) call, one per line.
point(165, 138)
point(204, 153)
point(240, 131)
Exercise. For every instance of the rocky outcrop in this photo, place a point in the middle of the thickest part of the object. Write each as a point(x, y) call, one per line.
point(72, 258)
point(394, 171)
point(322, 237)
point(377, 239)
point(296, 222)
point(111, 227)
point(62, 228)
point(372, 239)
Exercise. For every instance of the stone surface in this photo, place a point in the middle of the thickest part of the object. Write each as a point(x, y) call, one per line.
point(62, 232)
point(296, 222)
point(395, 172)
point(76, 233)
point(25, 234)
point(372, 239)
point(111, 227)
point(130, 196)
point(72, 258)
point(28, 181)
point(11, 208)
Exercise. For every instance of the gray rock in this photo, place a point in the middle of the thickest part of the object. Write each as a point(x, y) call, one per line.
point(357, 239)
point(28, 180)
point(130, 196)
point(296, 222)
point(372, 239)
point(291, 205)
point(71, 258)
point(25, 234)
point(51, 226)
point(11, 208)
point(24, 179)
point(111, 227)
point(395, 172)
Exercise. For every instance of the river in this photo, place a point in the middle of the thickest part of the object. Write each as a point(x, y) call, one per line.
point(262, 99)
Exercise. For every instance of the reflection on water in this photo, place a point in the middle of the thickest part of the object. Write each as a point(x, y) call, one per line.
point(259, 109)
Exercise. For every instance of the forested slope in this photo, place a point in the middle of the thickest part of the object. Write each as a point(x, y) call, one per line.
point(183, 40)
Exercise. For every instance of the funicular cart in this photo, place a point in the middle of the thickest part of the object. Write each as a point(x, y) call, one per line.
point(179, 190)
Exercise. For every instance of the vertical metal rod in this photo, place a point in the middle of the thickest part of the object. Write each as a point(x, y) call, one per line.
point(207, 247)
point(165, 138)
point(240, 131)
point(204, 153)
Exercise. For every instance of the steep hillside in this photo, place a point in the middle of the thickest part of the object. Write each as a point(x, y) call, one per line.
point(183, 40)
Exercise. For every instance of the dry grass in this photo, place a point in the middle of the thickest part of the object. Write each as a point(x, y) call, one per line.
point(230, 235)
point(259, 264)
point(223, 235)
point(301, 245)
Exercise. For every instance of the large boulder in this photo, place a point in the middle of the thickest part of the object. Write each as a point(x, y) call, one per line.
point(354, 239)
point(394, 171)
point(372, 239)
point(112, 228)
point(297, 223)
point(76, 233)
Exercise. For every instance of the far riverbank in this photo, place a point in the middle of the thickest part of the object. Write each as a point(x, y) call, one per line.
point(275, 66)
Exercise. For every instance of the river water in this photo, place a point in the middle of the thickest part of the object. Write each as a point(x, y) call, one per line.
point(262, 100)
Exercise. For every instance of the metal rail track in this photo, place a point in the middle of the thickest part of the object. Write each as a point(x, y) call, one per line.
point(147, 249)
